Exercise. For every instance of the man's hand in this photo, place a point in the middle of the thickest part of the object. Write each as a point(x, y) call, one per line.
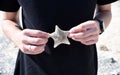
point(31, 41)
point(87, 33)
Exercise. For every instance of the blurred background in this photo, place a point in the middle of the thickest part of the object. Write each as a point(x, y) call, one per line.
point(109, 45)
point(108, 49)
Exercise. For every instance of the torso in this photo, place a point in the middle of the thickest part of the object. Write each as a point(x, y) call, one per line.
point(74, 59)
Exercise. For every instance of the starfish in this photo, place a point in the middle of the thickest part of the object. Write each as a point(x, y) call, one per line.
point(59, 37)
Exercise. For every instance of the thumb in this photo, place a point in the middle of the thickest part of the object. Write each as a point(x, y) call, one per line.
point(77, 29)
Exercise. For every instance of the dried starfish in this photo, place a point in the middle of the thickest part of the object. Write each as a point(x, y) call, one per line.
point(59, 37)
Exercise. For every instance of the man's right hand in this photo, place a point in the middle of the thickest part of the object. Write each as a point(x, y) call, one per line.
point(28, 40)
point(31, 41)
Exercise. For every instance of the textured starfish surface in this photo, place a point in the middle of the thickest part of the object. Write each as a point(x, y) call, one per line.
point(59, 37)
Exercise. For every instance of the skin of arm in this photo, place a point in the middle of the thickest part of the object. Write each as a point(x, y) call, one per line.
point(88, 32)
point(34, 41)
point(104, 13)
point(28, 40)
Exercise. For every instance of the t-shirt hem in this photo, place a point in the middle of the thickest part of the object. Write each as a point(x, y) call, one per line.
point(107, 2)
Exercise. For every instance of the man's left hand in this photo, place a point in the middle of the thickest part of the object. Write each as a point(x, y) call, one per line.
point(87, 33)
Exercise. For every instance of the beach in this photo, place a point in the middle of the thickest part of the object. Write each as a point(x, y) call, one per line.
point(108, 48)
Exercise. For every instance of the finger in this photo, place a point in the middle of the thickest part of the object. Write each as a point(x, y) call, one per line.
point(84, 40)
point(88, 25)
point(77, 29)
point(76, 35)
point(83, 27)
point(90, 32)
point(82, 35)
point(35, 33)
point(24, 48)
point(92, 37)
point(76, 39)
point(34, 41)
point(32, 53)
point(90, 42)
point(39, 48)
point(31, 49)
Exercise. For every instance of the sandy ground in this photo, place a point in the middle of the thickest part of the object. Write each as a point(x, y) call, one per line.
point(109, 45)
point(108, 49)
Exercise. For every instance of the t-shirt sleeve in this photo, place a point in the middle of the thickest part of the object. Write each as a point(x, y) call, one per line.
point(103, 2)
point(9, 5)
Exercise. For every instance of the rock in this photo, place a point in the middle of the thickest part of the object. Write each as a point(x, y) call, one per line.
point(104, 47)
point(113, 60)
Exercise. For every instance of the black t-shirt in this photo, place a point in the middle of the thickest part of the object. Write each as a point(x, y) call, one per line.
point(74, 59)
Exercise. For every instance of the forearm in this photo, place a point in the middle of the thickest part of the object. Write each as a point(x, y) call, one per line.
point(10, 29)
point(104, 14)
point(8, 24)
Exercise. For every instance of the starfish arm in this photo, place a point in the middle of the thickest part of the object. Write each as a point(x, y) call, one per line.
point(56, 44)
point(67, 42)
